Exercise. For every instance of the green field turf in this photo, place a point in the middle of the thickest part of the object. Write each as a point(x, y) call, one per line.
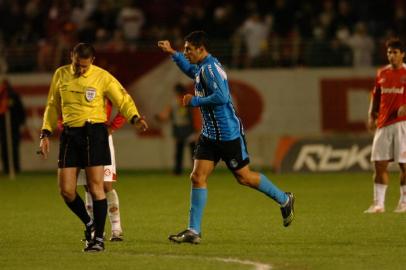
point(242, 229)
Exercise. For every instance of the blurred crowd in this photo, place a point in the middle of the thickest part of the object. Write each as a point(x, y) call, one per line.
point(37, 35)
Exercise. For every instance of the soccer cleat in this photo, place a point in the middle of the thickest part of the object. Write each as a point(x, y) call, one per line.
point(116, 236)
point(186, 236)
point(288, 211)
point(401, 208)
point(89, 234)
point(374, 209)
point(94, 246)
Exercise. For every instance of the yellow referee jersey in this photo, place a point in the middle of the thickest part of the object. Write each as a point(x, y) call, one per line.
point(81, 99)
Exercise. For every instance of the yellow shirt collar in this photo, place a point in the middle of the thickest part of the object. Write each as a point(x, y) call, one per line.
point(86, 74)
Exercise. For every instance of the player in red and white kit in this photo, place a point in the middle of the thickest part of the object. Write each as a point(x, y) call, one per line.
point(387, 114)
point(110, 177)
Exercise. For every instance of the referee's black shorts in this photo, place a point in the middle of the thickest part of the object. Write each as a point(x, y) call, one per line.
point(234, 153)
point(85, 146)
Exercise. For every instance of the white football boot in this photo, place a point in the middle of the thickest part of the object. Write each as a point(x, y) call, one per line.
point(374, 209)
point(401, 208)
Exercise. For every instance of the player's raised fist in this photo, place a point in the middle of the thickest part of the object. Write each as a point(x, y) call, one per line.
point(165, 46)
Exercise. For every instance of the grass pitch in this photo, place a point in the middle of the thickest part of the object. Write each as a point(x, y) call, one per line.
point(242, 229)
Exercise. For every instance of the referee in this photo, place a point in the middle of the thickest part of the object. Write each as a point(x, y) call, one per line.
point(78, 93)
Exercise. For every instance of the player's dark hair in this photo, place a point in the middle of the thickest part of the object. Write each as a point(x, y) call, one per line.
point(395, 43)
point(84, 50)
point(198, 39)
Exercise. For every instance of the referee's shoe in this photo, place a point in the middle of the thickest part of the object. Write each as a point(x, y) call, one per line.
point(94, 245)
point(288, 210)
point(89, 233)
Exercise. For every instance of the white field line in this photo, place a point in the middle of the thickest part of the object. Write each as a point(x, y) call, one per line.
point(256, 265)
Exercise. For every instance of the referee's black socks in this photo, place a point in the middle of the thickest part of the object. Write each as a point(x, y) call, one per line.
point(78, 207)
point(99, 213)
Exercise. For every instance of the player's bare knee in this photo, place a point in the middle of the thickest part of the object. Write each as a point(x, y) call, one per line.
point(380, 172)
point(402, 167)
point(194, 178)
point(381, 167)
point(97, 193)
point(197, 178)
point(67, 195)
point(106, 189)
point(107, 186)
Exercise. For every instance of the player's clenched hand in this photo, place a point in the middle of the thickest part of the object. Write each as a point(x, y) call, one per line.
point(186, 99)
point(44, 148)
point(141, 124)
point(402, 111)
point(165, 46)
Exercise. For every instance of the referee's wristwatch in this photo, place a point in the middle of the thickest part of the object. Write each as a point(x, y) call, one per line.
point(45, 133)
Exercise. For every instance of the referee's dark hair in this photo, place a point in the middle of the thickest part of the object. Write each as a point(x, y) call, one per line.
point(198, 39)
point(84, 50)
point(395, 43)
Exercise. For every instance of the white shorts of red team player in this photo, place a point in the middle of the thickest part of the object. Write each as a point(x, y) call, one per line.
point(109, 170)
point(390, 143)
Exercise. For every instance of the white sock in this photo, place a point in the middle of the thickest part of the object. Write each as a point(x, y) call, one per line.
point(379, 194)
point(402, 194)
point(113, 210)
point(89, 204)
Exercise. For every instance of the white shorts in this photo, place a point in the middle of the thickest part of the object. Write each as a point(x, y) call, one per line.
point(109, 170)
point(390, 143)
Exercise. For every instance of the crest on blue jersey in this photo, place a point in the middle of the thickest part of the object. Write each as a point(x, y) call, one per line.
point(90, 94)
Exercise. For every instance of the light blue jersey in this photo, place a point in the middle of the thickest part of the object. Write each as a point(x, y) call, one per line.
point(222, 138)
point(212, 95)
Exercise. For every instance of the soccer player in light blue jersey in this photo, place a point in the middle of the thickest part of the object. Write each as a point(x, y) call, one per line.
point(222, 135)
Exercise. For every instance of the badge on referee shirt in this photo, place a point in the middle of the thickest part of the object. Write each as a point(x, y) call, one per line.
point(90, 94)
